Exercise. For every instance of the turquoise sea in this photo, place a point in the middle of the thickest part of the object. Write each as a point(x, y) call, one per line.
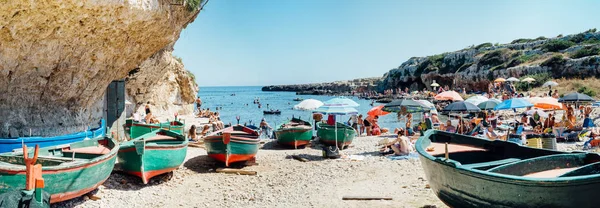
point(242, 105)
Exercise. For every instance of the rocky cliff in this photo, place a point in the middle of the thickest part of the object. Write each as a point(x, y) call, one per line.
point(575, 55)
point(58, 57)
point(162, 80)
point(363, 84)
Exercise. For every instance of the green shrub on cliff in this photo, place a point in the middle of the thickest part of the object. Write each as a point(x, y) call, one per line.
point(588, 91)
point(539, 80)
point(191, 75)
point(527, 58)
point(192, 5)
point(586, 51)
point(556, 45)
point(521, 40)
point(483, 45)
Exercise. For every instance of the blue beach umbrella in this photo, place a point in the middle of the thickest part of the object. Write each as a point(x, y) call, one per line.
point(341, 101)
point(513, 104)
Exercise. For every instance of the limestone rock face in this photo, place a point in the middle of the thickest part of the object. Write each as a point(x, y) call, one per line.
point(58, 57)
point(475, 67)
point(164, 82)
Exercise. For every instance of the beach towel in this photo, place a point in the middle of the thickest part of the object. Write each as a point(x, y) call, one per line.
point(412, 155)
point(588, 123)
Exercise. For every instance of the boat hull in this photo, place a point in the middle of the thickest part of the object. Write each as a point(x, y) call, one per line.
point(234, 151)
point(294, 136)
point(9, 144)
point(458, 186)
point(327, 135)
point(63, 182)
point(156, 159)
point(138, 129)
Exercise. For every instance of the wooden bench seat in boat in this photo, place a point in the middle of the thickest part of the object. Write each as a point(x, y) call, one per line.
point(550, 166)
point(491, 164)
point(86, 152)
point(160, 137)
point(440, 148)
point(589, 169)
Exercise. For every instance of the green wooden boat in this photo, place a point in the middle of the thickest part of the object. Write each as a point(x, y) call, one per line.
point(138, 129)
point(69, 171)
point(483, 173)
point(294, 133)
point(345, 134)
point(152, 154)
point(232, 144)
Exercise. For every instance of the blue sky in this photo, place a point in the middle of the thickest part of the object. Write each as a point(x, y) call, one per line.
point(265, 42)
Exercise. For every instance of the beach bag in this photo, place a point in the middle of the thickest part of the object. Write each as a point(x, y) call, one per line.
point(331, 152)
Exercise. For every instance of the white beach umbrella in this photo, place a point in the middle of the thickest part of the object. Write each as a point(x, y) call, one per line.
point(550, 83)
point(528, 79)
point(540, 112)
point(475, 100)
point(308, 104)
point(512, 79)
point(435, 84)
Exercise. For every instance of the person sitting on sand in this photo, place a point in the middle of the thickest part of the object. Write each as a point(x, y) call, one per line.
point(435, 119)
point(192, 133)
point(401, 146)
point(449, 127)
point(491, 135)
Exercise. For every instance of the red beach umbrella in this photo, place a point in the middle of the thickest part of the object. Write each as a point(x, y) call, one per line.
point(377, 111)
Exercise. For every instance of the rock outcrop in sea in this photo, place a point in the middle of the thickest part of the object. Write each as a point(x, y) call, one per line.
point(362, 84)
point(58, 57)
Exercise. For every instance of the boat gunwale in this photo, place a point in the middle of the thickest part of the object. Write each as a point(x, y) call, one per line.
point(498, 177)
point(178, 138)
point(63, 166)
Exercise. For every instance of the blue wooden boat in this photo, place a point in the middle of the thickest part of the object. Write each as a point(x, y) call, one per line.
point(9, 144)
point(465, 171)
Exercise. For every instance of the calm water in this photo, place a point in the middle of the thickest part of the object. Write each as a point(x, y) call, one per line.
point(242, 105)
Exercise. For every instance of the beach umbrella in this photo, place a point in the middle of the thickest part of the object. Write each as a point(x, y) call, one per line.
point(540, 112)
point(429, 105)
point(550, 83)
point(496, 100)
point(377, 111)
point(513, 79)
point(461, 106)
point(528, 79)
point(575, 97)
point(546, 103)
point(435, 84)
point(341, 101)
point(513, 104)
point(405, 106)
point(475, 100)
point(500, 79)
point(488, 105)
point(449, 95)
point(308, 104)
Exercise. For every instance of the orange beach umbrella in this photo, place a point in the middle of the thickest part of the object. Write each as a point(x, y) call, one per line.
point(500, 79)
point(377, 111)
point(546, 103)
point(449, 95)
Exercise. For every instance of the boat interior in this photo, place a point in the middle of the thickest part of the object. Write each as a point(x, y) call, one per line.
point(162, 137)
point(238, 130)
point(71, 153)
point(339, 126)
point(509, 158)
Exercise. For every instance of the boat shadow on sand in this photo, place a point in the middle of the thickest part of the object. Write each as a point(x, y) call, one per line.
point(274, 145)
point(205, 164)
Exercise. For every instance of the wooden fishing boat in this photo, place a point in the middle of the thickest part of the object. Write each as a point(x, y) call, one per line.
point(272, 112)
point(298, 99)
point(233, 144)
point(138, 129)
point(345, 134)
point(294, 133)
point(69, 170)
point(473, 172)
point(10, 144)
point(153, 154)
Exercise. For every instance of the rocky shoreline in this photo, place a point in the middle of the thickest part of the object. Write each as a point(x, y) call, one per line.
point(328, 88)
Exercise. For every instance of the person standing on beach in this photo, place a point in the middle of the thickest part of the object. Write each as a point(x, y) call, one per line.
point(361, 124)
point(147, 107)
point(354, 122)
point(198, 103)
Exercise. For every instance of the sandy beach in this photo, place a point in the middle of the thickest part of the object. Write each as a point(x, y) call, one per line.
point(281, 182)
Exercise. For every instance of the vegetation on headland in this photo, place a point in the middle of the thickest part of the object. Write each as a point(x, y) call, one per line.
point(571, 56)
point(588, 86)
